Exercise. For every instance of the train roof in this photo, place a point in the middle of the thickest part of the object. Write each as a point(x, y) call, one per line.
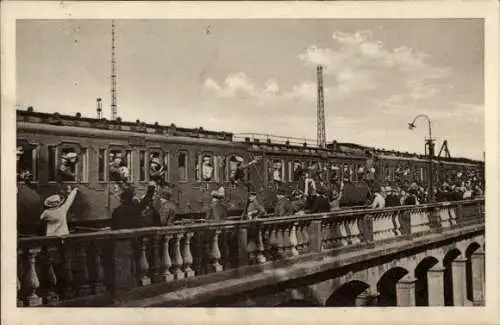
point(399, 154)
point(258, 142)
point(119, 125)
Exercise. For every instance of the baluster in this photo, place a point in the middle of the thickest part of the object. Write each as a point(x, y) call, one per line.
point(154, 267)
point(305, 235)
point(260, 248)
point(287, 246)
point(343, 232)
point(215, 254)
point(188, 258)
point(294, 240)
point(98, 271)
point(267, 247)
point(30, 279)
point(273, 243)
point(142, 264)
point(300, 238)
point(83, 279)
point(324, 235)
point(355, 232)
point(50, 278)
point(166, 262)
point(280, 240)
point(67, 265)
point(397, 224)
point(178, 273)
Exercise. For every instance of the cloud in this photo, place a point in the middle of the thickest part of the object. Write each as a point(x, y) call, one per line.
point(360, 63)
point(242, 86)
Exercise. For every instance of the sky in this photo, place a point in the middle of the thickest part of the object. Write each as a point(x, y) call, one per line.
point(256, 75)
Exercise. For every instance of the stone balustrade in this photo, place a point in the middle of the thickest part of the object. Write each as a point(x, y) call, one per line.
point(90, 269)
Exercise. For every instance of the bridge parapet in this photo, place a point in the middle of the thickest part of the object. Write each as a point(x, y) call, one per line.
point(94, 269)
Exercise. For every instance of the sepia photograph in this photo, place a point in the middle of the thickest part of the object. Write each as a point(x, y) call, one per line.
point(226, 162)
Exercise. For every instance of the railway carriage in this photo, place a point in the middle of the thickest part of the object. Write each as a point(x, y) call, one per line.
point(99, 155)
point(195, 162)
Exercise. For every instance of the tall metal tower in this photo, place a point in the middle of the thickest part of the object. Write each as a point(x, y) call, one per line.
point(320, 127)
point(114, 108)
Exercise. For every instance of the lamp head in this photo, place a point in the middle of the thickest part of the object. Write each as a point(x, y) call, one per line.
point(411, 126)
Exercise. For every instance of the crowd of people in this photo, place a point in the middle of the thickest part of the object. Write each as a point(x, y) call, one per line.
point(311, 195)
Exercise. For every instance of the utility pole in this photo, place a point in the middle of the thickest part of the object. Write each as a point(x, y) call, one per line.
point(114, 108)
point(320, 127)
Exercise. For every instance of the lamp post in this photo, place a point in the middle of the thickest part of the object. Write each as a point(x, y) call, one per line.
point(429, 148)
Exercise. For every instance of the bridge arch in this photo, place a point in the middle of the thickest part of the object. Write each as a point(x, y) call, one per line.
point(346, 294)
point(448, 276)
point(421, 285)
point(386, 286)
point(471, 249)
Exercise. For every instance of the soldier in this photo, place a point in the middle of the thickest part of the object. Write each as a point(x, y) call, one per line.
point(67, 168)
point(56, 213)
point(283, 206)
point(156, 170)
point(167, 208)
point(335, 198)
point(217, 211)
point(149, 214)
point(117, 172)
point(238, 174)
point(206, 169)
point(255, 210)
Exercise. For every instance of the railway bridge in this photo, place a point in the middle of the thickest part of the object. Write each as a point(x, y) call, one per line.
point(425, 255)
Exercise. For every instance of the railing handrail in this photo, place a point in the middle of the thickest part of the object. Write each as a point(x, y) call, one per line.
point(127, 233)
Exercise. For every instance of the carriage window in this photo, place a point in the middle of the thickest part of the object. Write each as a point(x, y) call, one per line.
point(182, 165)
point(156, 166)
point(206, 172)
point(278, 174)
point(142, 164)
point(102, 165)
point(296, 171)
point(68, 165)
point(27, 169)
point(119, 165)
point(234, 167)
point(52, 163)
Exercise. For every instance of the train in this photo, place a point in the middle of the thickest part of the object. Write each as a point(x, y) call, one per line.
point(193, 162)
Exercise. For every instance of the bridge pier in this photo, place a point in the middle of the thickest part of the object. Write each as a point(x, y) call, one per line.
point(369, 297)
point(435, 285)
point(459, 281)
point(405, 291)
point(477, 261)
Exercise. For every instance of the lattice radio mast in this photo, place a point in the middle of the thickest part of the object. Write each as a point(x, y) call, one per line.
point(114, 108)
point(320, 128)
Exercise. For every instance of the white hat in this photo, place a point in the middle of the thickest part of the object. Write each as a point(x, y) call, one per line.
point(53, 201)
point(156, 161)
point(20, 150)
point(335, 168)
point(372, 170)
point(219, 193)
point(70, 155)
point(240, 159)
point(361, 169)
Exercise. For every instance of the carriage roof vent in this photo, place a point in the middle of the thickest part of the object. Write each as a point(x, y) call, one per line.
point(138, 121)
point(157, 124)
point(247, 139)
point(304, 144)
point(268, 141)
point(78, 115)
point(30, 109)
point(287, 142)
point(118, 119)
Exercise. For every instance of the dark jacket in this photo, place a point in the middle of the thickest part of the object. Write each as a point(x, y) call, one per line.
point(255, 209)
point(320, 204)
point(283, 208)
point(132, 215)
point(410, 200)
point(392, 201)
